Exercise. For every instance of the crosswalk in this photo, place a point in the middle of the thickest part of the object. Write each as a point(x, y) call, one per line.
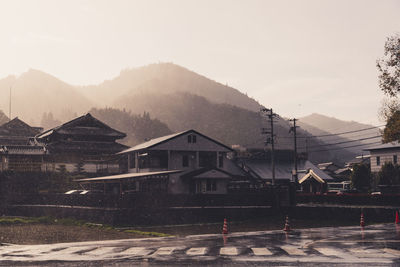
point(118, 252)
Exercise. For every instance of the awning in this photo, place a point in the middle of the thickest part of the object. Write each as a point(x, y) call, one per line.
point(125, 176)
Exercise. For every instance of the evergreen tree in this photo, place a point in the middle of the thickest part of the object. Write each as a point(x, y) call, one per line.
point(361, 177)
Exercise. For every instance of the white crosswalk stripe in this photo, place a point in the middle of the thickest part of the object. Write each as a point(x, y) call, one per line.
point(392, 251)
point(261, 251)
point(291, 250)
point(228, 251)
point(136, 251)
point(164, 251)
point(196, 251)
point(101, 251)
point(329, 251)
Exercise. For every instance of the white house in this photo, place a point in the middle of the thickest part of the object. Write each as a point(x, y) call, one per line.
point(180, 163)
point(381, 154)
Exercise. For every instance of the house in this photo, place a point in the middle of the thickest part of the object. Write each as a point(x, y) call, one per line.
point(328, 167)
point(82, 144)
point(16, 150)
point(262, 169)
point(312, 179)
point(379, 155)
point(17, 132)
point(187, 162)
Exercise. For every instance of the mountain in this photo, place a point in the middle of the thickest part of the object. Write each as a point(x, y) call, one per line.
point(138, 128)
point(166, 78)
point(34, 92)
point(355, 141)
point(167, 97)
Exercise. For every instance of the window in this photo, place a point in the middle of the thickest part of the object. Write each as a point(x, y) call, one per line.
point(378, 161)
point(220, 160)
point(394, 159)
point(211, 185)
point(185, 161)
point(192, 138)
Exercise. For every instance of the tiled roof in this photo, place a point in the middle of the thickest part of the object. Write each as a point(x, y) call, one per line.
point(84, 125)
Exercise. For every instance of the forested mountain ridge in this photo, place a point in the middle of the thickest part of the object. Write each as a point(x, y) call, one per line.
point(166, 78)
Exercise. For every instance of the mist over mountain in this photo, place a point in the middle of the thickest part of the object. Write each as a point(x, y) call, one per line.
point(155, 100)
point(34, 92)
point(166, 78)
point(318, 124)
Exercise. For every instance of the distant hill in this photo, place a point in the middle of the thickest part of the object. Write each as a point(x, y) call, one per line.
point(167, 98)
point(35, 92)
point(318, 125)
point(138, 128)
point(166, 78)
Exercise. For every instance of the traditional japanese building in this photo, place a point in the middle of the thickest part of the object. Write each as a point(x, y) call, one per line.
point(83, 144)
point(17, 151)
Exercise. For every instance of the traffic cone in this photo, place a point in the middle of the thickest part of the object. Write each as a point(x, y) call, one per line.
point(287, 226)
point(397, 218)
point(225, 228)
point(362, 223)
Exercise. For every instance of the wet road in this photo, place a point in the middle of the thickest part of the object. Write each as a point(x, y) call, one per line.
point(377, 245)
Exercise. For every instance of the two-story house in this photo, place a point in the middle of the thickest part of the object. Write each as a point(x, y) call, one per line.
point(180, 163)
point(379, 155)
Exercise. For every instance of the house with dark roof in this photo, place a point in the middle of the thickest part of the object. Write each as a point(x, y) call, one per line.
point(182, 163)
point(83, 143)
point(16, 150)
point(380, 154)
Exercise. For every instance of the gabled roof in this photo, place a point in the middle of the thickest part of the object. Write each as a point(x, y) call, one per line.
point(309, 166)
point(283, 170)
point(83, 125)
point(207, 173)
point(311, 174)
point(17, 127)
point(385, 146)
point(160, 140)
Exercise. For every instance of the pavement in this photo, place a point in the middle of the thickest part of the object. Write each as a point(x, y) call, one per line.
point(375, 245)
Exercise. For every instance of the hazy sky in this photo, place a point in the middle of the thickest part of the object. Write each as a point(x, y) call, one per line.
point(298, 57)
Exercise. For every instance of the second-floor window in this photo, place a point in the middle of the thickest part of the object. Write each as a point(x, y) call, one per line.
point(378, 161)
point(220, 161)
point(192, 138)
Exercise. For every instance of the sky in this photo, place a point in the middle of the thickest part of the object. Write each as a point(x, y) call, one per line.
point(298, 57)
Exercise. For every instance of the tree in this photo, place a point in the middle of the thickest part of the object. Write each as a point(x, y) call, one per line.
point(389, 67)
point(361, 177)
point(389, 174)
point(391, 132)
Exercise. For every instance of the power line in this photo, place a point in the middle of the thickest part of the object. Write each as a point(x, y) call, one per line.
point(353, 131)
point(344, 147)
point(345, 142)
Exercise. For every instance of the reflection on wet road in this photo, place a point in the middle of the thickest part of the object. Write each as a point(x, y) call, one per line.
point(373, 245)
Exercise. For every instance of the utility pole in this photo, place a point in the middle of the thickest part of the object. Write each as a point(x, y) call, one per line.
point(271, 116)
point(9, 112)
point(295, 148)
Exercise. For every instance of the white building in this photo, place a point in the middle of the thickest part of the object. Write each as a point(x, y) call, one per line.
point(381, 154)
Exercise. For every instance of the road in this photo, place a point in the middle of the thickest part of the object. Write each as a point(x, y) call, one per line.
point(377, 245)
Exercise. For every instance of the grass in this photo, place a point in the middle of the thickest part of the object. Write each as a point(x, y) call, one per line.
point(155, 234)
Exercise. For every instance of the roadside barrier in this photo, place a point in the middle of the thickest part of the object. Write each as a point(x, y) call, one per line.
point(362, 222)
point(225, 228)
point(287, 226)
